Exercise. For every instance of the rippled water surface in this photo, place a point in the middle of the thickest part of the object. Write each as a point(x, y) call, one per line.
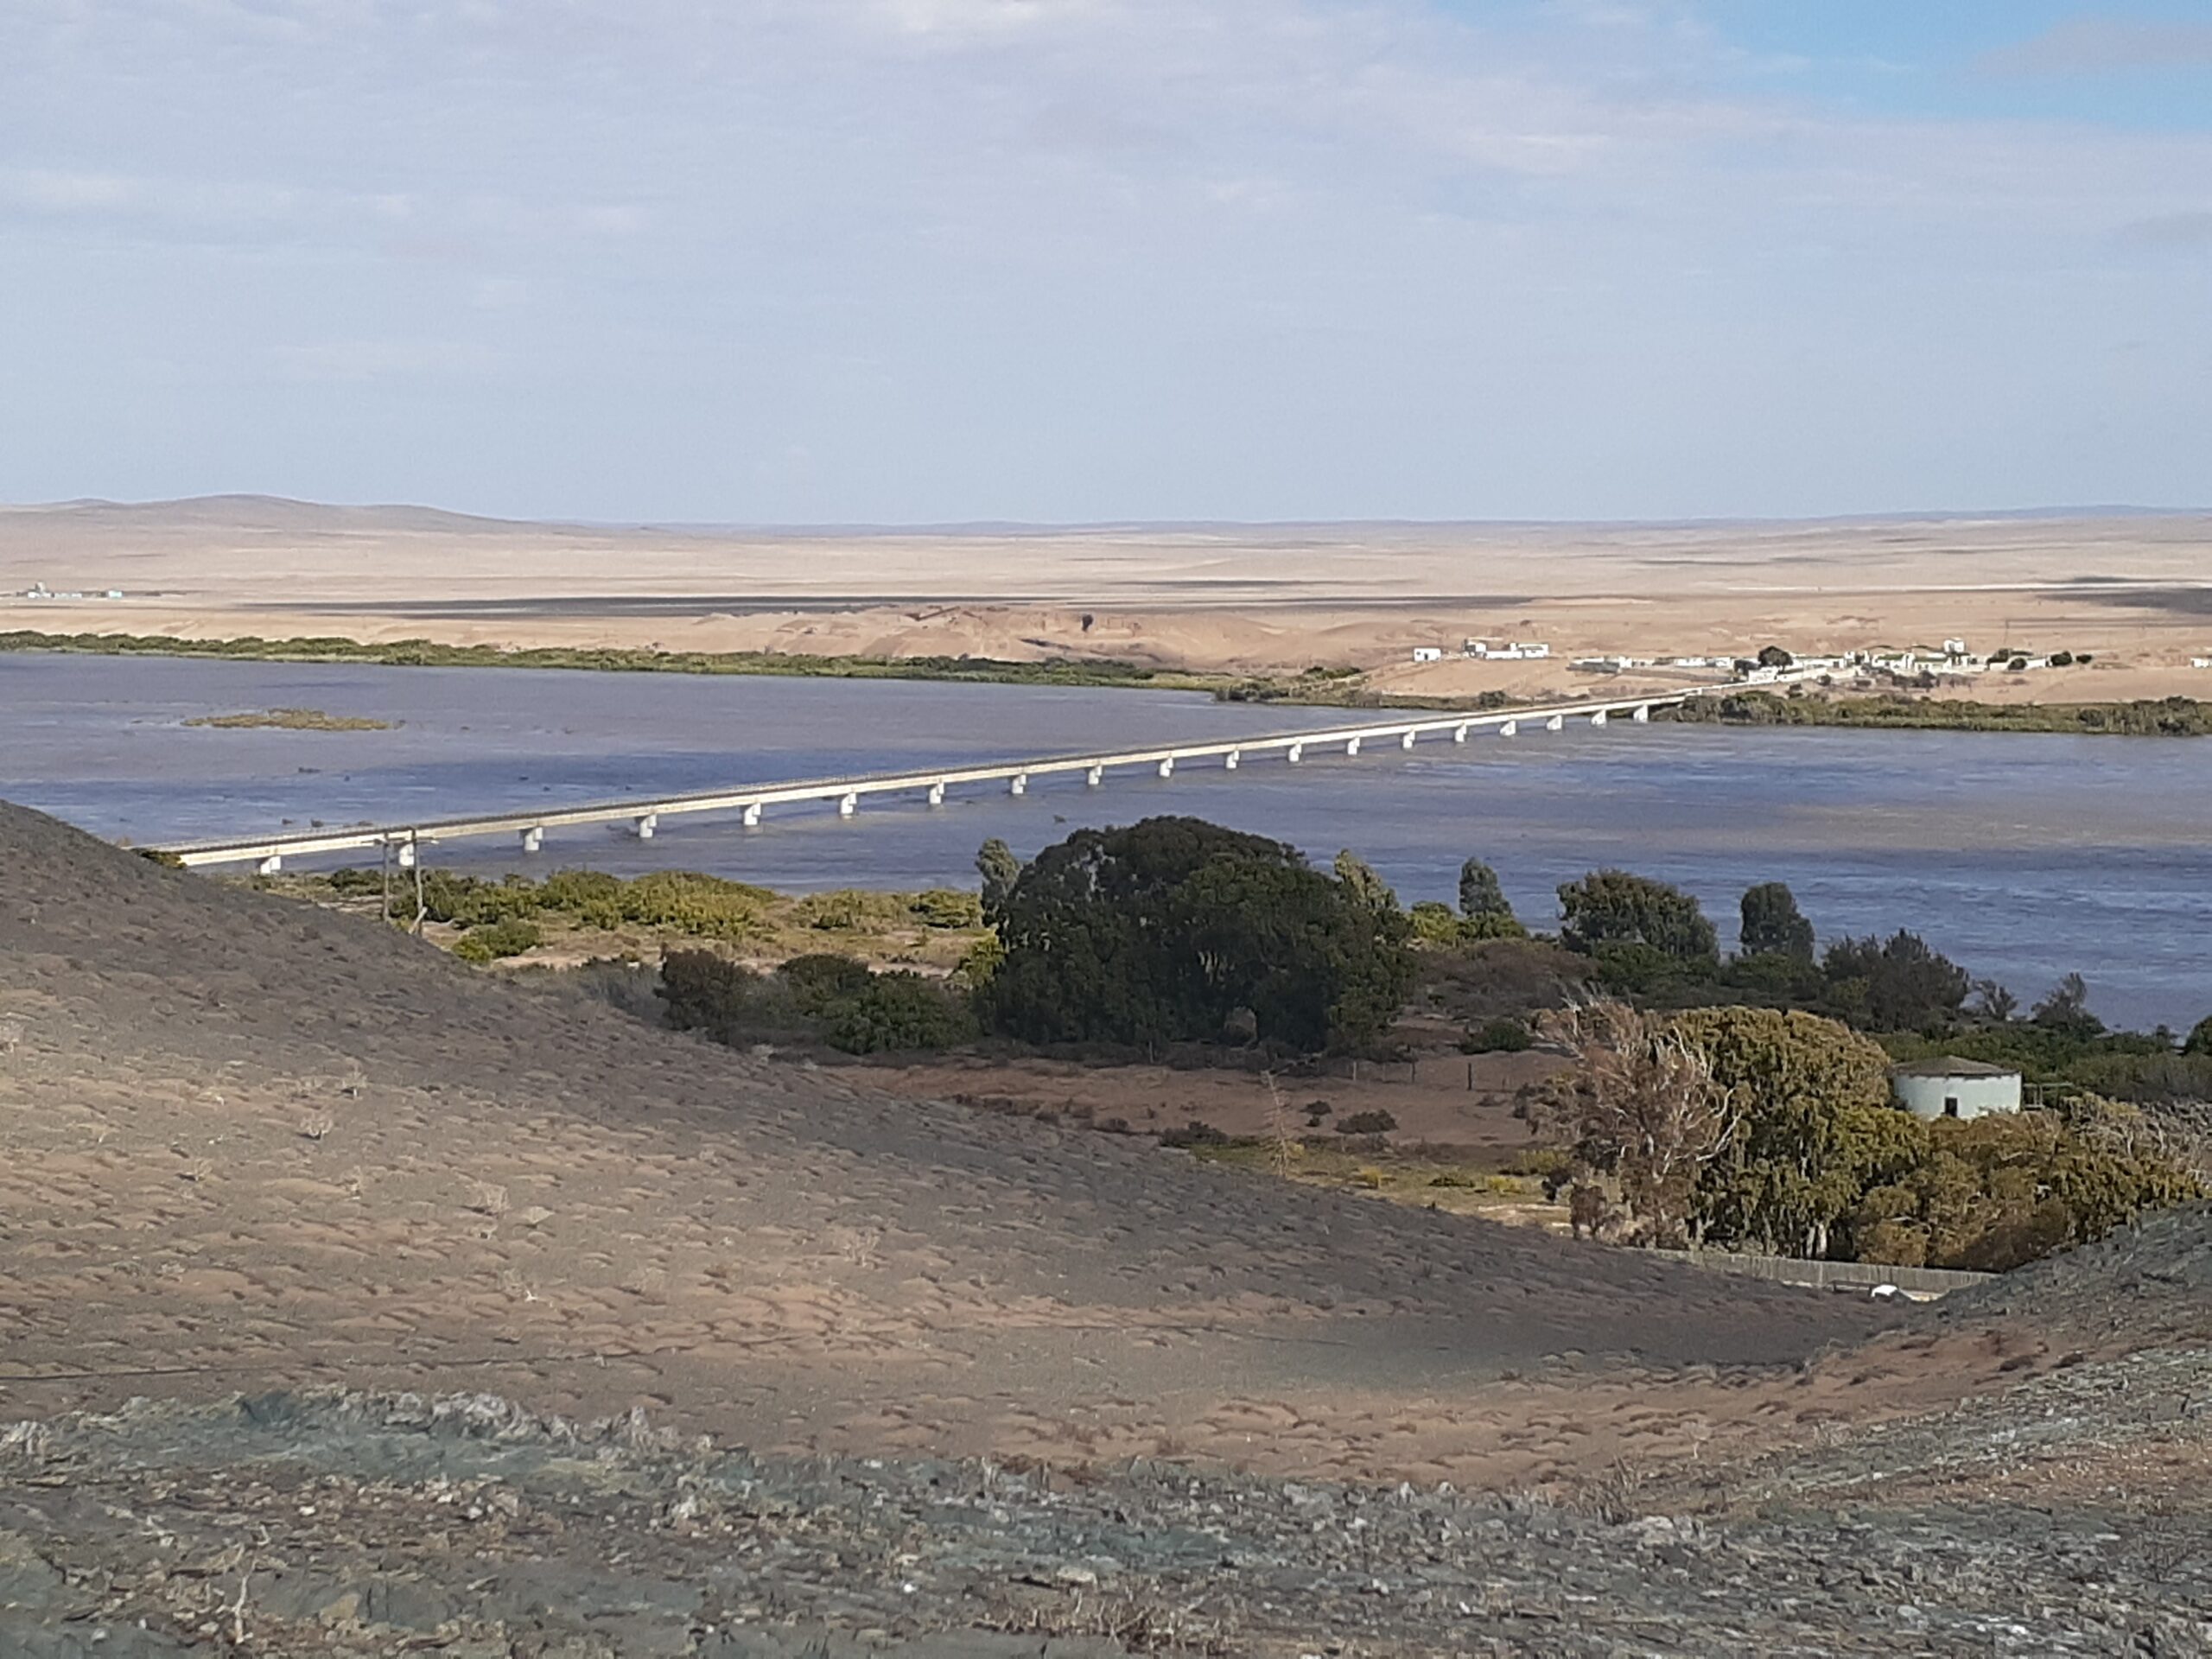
point(2023, 857)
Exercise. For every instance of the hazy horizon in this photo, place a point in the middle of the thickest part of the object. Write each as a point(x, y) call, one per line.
point(2086, 510)
point(904, 263)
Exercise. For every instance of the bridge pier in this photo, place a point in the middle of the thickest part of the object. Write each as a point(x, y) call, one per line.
point(1459, 734)
point(270, 866)
point(753, 816)
point(533, 838)
point(848, 805)
point(647, 824)
point(1556, 723)
point(1167, 767)
point(1020, 784)
point(1407, 741)
point(1642, 714)
point(403, 855)
point(1297, 754)
point(1599, 719)
point(1510, 729)
point(1351, 747)
point(1095, 777)
point(937, 794)
point(1228, 761)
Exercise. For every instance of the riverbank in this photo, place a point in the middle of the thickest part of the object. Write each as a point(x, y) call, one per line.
point(2174, 716)
point(1319, 687)
point(623, 659)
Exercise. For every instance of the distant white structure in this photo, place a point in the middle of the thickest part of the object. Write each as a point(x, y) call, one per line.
point(1956, 648)
point(1514, 651)
point(1428, 653)
point(1950, 1087)
point(2200, 662)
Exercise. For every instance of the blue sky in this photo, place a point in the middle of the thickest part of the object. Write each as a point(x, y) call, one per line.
point(931, 260)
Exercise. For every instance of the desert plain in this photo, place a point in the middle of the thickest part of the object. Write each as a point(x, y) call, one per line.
point(2131, 590)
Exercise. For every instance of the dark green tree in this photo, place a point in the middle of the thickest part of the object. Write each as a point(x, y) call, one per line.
point(1772, 923)
point(1166, 930)
point(1774, 657)
point(1613, 908)
point(2067, 1009)
point(2199, 1040)
point(1484, 912)
point(1894, 984)
point(1815, 1127)
point(1357, 877)
point(1001, 869)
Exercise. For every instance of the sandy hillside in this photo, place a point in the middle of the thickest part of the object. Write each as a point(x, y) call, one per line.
point(2130, 589)
point(306, 1229)
point(248, 1142)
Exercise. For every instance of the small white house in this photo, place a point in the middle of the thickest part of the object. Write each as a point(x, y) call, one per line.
point(1950, 1087)
point(1428, 653)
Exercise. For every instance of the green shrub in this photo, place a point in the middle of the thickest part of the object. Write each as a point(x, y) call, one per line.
point(1195, 1134)
point(895, 1013)
point(820, 979)
point(947, 907)
point(705, 992)
point(1376, 1123)
point(491, 941)
point(1499, 1036)
point(849, 907)
point(1434, 922)
point(703, 906)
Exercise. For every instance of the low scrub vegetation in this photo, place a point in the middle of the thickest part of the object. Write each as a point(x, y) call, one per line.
point(1773, 1131)
point(2146, 717)
point(826, 999)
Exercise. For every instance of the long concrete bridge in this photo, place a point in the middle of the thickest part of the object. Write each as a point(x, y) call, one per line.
point(752, 801)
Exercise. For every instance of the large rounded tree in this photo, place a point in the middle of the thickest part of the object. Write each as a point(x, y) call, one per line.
point(1164, 931)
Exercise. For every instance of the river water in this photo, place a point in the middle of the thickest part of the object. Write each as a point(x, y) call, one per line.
point(2023, 857)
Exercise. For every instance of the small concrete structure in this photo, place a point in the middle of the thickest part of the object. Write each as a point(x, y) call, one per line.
point(1950, 1087)
point(1428, 653)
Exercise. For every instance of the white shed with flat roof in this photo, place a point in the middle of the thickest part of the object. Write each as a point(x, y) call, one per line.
point(1950, 1087)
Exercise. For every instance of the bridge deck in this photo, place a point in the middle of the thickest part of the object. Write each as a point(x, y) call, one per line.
point(751, 798)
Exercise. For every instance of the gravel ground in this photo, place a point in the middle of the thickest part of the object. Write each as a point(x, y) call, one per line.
point(349, 1524)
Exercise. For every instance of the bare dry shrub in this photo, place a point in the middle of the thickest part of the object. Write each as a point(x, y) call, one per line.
point(1639, 1107)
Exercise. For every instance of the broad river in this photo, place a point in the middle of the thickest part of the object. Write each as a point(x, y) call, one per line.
point(2022, 857)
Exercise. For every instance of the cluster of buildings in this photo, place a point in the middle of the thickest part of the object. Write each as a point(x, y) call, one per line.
point(38, 590)
point(1482, 650)
point(1953, 657)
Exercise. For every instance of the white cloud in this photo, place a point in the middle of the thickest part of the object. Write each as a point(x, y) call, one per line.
point(1251, 255)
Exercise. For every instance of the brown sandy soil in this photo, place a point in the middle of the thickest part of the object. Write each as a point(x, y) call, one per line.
point(2131, 589)
point(246, 1143)
point(1429, 1097)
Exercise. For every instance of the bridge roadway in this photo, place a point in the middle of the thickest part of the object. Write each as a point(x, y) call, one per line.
point(644, 813)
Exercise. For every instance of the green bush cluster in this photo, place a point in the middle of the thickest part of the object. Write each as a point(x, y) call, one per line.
point(2144, 717)
point(1820, 1163)
point(491, 941)
point(817, 998)
point(1504, 1035)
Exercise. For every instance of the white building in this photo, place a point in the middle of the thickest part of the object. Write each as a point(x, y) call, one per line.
point(1950, 1087)
point(1428, 653)
point(1514, 651)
